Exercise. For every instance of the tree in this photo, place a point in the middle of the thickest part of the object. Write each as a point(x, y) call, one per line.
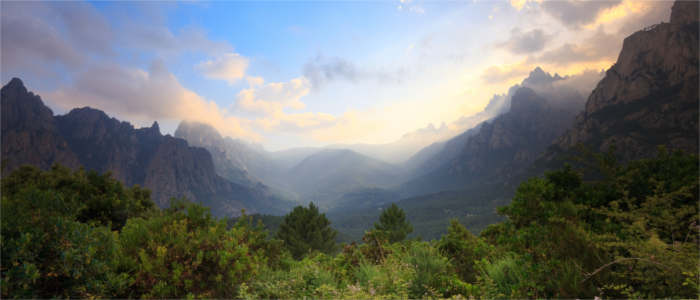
point(305, 229)
point(463, 249)
point(393, 223)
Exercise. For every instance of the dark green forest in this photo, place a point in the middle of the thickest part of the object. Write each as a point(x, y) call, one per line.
point(629, 231)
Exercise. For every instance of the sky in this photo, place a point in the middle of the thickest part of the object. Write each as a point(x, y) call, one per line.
point(305, 73)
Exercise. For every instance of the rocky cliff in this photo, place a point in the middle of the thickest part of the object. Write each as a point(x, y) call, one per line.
point(649, 97)
point(29, 134)
point(231, 157)
point(87, 137)
point(502, 146)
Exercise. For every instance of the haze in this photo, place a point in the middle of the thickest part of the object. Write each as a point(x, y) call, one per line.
point(301, 74)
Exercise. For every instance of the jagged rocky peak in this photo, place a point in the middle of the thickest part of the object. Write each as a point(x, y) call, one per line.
point(154, 130)
point(684, 12)
point(540, 77)
point(155, 126)
point(15, 84)
point(23, 108)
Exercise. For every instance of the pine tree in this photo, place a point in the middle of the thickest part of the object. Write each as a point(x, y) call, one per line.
point(393, 223)
point(305, 229)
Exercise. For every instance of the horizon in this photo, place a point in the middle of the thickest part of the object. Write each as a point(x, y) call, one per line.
point(313, 74)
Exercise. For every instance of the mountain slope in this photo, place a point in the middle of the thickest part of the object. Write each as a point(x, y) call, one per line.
point(649, 97)
point(509, 142)
point(232, 158)
point(88, 137)
point(325, 176)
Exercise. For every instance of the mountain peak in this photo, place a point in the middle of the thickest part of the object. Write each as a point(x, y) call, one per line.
point(539, 77)
point(155, 126)
point(685, 12)
point(15, 84)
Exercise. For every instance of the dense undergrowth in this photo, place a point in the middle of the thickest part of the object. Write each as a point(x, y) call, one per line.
point(632, 232)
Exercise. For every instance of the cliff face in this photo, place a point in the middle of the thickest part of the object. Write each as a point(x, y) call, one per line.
point(502, 146)
point(29, 135)
point(231, 157)
point(650, 96)
point(88, 137)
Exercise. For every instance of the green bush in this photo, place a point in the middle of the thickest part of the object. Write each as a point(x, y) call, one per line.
point(304, 230)
point(184, 252)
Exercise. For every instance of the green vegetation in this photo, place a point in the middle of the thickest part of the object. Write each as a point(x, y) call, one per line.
point(631, 232)
point(392, 223)
point(304, 230)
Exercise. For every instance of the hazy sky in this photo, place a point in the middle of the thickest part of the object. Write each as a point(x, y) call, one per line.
point(311, 73)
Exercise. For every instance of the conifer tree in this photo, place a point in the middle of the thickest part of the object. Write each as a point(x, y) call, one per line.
point(393, 223)
point(305, 229)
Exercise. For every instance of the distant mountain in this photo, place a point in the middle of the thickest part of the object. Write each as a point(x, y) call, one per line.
point(231, 157)
point(438, 154)
point(498, 147)
point(289, 158)
point(649, 97)
point(565, 93)
point(402, 149)
point(88, 137)
point(325, 176)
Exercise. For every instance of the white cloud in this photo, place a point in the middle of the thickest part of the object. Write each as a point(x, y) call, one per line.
point(229, 67)
point(268, 101)
point(143, 96)
point(523, 42)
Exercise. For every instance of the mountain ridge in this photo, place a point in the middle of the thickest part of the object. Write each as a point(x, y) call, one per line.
point(88, 137)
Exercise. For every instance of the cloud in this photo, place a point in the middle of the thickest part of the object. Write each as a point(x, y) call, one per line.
point(603, 42)
point(577, 13)
point(524, 42)
point(230, 67)
point(268, 101)
point(505, 73)
point(519, 4)
point(267, 98)
point(144, 96)
point(583, 82)
point(597, 47)
point(321, 71)
point(407, 5)
point(86, 27)
point(158, 37)
point(42, 38)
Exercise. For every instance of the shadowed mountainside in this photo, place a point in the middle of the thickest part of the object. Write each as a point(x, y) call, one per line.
point(87, 137)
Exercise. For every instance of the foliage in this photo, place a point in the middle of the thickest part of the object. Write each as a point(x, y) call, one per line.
point(183, 251)
point(93, 198)
point(463, 249)
point(304, 230)
point(630, 231)
point(56, 237)
point(393, 223)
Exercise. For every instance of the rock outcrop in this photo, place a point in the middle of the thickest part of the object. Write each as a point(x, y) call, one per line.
point(87, 137)
point(649, 98)
point(29, 134)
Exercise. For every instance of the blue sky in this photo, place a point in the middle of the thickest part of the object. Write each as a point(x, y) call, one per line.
point(291, 73)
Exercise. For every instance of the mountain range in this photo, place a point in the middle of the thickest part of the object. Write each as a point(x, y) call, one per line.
point(648, 98)
point(89, 138)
